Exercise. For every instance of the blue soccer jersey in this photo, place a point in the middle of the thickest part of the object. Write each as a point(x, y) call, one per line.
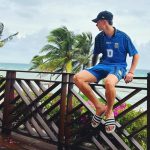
point(114, 49)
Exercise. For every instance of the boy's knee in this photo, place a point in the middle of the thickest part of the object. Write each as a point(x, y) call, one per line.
point(76, 78)
point(108, 84)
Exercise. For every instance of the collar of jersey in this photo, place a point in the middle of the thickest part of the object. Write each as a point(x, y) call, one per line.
point(115, 31)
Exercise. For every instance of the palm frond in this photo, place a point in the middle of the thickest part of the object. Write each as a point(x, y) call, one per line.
point(49, 47)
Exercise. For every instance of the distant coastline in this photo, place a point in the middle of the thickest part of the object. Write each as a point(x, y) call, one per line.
point(26, 67)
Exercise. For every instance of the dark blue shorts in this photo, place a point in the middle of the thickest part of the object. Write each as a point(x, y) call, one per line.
point(100, 71)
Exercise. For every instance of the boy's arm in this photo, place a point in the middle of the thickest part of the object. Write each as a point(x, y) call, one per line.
point(94, 59)
point(130, 74)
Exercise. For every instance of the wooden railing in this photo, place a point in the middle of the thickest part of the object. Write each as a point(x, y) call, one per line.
point(53, 110)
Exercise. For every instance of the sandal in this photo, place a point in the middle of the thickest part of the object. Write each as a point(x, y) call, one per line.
point(96, 120)
point(110, 122)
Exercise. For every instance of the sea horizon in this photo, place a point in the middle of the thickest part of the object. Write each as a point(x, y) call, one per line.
point(26, 66)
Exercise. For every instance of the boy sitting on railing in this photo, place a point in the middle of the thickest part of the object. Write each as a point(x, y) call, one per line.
point(114, 45)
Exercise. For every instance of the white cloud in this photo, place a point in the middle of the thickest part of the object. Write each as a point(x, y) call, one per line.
point(22, 50)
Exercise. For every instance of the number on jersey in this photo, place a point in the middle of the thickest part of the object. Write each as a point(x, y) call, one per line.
point(109, 53)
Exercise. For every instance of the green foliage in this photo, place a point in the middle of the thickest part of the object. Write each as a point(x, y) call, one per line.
point(36, 62)
point(1, 43)
point(141, 137)
point(50, 104)
point(84, 97)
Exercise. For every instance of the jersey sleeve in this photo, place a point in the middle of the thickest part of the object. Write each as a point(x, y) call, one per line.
point(97, 46)
point(130, 47)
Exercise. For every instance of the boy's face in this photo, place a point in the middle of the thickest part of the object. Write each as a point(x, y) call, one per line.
point(101, 24)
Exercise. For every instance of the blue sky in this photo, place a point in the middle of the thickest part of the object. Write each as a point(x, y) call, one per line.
point(34, 19)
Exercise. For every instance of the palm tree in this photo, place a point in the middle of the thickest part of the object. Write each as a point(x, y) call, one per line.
point(65, 52)
point(84, 44)
point(2, 42)
point(59, 51)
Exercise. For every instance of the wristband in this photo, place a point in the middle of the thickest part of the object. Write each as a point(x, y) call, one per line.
point(131, 72)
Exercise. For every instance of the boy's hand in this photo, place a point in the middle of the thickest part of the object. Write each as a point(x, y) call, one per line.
point(129, 77)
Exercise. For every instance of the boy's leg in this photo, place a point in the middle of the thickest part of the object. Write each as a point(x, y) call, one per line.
point(82, 80)
point(110, 82)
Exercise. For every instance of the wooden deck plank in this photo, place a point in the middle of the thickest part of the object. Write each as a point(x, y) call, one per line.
point(20, 142)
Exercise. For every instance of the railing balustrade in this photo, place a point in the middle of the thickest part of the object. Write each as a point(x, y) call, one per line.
point(52, 109)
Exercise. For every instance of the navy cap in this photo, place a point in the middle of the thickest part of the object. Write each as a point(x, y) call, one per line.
point(104, 15)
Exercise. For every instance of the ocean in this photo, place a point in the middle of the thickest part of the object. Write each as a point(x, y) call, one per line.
point(14, 66)
point(26, 67)
point(120, 92)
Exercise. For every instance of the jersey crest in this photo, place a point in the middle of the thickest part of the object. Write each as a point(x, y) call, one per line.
point(116, 45)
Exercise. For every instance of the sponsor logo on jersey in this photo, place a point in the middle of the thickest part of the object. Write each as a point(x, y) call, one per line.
point(108, 42)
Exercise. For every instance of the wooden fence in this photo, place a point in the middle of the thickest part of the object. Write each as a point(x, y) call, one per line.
point(53, 110)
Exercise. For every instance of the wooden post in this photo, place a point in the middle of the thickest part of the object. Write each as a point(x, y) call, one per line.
point(148, 111)
point(69, 109)
point(61, 136)
point(8, 97)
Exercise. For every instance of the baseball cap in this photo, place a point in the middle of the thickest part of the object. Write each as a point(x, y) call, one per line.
point(103, 15)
